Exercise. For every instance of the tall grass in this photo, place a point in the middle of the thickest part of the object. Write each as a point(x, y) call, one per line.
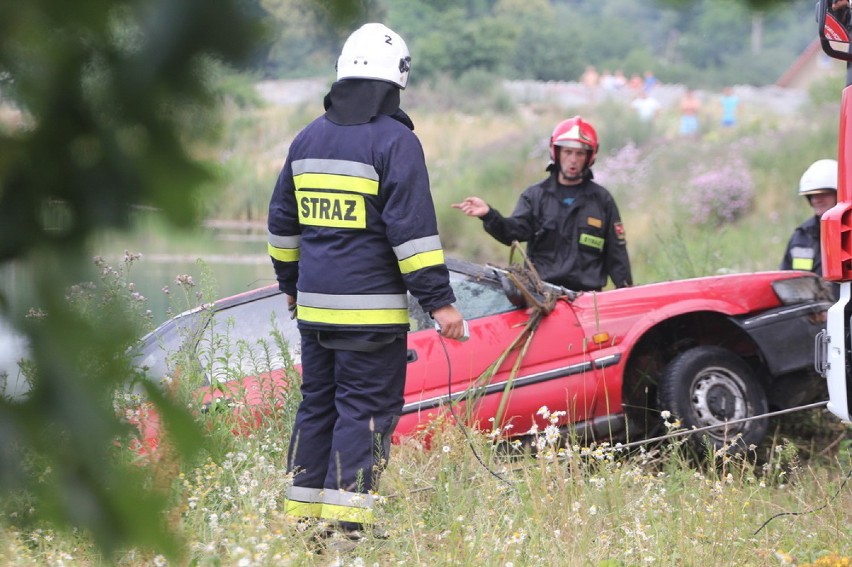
point(456, 498)
point(452, 496)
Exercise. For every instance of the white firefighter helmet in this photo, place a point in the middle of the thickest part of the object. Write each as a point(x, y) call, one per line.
point(374, 51)
point(820, 177)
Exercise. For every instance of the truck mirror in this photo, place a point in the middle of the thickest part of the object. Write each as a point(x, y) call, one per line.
point(834, 19)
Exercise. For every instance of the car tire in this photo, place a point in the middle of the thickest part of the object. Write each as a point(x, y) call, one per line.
point(709, 385)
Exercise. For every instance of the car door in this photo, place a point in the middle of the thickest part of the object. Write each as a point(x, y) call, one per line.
point(553, 372)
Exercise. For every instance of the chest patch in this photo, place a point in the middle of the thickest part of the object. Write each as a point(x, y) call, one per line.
point(332, 210)
point(595, 242)
point(592, 221)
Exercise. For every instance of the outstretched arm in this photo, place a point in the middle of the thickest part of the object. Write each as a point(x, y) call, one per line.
point(473, 207)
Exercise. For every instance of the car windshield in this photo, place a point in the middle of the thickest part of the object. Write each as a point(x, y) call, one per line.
point(475, 297)
point(241, 340)
point(238, 338)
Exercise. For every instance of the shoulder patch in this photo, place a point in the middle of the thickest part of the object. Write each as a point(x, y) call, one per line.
point(619, 230)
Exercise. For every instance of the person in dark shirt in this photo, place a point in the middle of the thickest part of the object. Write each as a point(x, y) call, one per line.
point(818, 185)
point(572, 227)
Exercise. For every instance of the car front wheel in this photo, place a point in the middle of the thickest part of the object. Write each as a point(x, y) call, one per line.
point(710, 385)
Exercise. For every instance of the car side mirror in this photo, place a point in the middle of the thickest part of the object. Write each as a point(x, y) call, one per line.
point(834, 19)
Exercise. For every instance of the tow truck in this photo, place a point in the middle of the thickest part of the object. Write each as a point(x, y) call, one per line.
point(833, 349)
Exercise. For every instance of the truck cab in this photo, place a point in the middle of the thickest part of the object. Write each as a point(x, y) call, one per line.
point(833, 352)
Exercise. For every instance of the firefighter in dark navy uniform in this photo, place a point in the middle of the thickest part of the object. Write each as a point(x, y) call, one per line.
point(818, 185)
point(572, 227)
point(352, 228)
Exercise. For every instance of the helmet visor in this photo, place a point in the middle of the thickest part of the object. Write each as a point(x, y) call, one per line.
point(572, 144)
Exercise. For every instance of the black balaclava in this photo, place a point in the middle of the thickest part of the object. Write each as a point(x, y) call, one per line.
point(358, 101)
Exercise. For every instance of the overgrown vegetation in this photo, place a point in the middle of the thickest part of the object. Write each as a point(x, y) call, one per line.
point(108, 94)
point(584, 505)
point(70, 70)
point(687, 204)
point(454, 497)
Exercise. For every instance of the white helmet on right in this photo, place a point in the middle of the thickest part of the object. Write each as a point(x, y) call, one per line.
point(820, 177)
point(375, 51)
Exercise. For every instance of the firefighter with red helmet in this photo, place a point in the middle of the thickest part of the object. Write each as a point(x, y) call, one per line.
point(818, 185)
point(572, 227)
point(352, 230)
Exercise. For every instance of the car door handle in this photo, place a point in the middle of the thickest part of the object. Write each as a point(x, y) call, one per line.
point(411, 356)
point(821, 364)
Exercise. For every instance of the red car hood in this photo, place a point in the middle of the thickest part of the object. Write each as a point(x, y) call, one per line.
point(732, 293)
point(621, 315)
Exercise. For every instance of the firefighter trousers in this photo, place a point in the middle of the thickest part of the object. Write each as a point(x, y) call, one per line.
point(351, 401)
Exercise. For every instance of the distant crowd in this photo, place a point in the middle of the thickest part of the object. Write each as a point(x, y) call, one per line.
point(647, 107)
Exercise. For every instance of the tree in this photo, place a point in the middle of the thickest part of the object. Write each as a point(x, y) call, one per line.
point(309, 33)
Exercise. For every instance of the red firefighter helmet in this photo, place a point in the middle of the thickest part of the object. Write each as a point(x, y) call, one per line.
point(575, 133)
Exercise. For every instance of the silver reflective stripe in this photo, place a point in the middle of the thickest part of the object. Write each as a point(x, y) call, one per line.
point(417, 246)
point(284, 241)
point(351, 499)
point(377, 301)
point(802, 252)
point(302, 494)
point(335, 166)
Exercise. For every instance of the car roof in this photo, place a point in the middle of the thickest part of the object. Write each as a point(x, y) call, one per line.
point(476, 271)
point(470, 269)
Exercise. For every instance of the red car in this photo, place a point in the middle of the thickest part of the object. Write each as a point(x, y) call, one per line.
point(707, 350)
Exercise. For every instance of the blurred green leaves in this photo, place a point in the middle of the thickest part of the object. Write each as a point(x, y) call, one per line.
point(105, 89)
point(103, 86)
point(750, 4)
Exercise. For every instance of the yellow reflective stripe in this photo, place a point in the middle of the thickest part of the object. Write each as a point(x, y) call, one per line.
point(422, 260)
point(283, 254)
point(336, 210)
point(339, 182)
point(348, 506)
point(347, 513)
point(353, 316)
point(806, 264)
point(592, 241)
point(303, 509)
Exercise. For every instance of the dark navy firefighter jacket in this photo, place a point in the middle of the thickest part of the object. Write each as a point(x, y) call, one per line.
point(575, 245)
point(803, 248)
point(352, 226)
